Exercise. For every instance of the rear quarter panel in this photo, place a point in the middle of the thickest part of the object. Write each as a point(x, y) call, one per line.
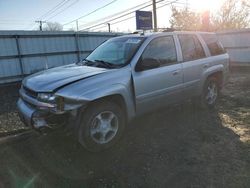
point(219, 63)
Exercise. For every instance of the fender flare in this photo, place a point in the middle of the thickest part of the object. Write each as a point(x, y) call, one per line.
point(211, 70)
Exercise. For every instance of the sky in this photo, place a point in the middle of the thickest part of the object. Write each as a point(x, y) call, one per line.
point(22, 14)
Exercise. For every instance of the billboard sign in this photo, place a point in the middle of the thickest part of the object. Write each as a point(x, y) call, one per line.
point(143, 20)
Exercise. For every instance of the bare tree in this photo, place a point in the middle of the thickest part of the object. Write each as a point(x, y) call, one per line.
point(184, 19)
point(234, 14)
point(53, 26)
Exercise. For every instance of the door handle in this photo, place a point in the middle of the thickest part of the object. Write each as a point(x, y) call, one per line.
point(176, 72)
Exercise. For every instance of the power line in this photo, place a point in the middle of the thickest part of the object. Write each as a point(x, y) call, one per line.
point(116, 17)
point(113, 15)
point(55, 8)
point(121, 16)
point(134, 16)
point(17, 24)
point(51, 11)
point(116, 22)
point(91, 12)
point(123, 20)
point(62, 10)
point(173, 2)
point(90, 23)
point(12, 22)
point(162, 5)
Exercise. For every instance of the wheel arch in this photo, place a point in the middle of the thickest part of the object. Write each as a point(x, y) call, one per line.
point(114, 98)
point(218, 76)
point(214, 71)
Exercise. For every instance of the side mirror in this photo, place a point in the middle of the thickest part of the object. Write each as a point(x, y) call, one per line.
point(146, 64)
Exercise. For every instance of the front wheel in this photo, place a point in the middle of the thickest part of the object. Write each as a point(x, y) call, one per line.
point(210, 93)
point(101, 125)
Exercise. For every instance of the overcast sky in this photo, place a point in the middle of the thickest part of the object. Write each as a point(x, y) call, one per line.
point(22, 14)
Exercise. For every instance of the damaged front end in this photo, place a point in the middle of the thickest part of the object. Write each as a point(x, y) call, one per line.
point(43, 111)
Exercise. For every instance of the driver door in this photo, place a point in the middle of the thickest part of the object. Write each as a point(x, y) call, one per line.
point(160, 85)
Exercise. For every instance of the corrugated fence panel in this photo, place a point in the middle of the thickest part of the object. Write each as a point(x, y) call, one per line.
point(8, 46)
point(237, 44)
point(90, 43)
point(59, 44)
point(9, 67)
point(239, 55)
point(47, 45)
point(58, 60)
point(43, 50)
point(34, 64)
point(235, 40)
point(31, 45)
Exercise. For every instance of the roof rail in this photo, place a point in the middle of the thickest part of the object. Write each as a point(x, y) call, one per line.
point(169, 30)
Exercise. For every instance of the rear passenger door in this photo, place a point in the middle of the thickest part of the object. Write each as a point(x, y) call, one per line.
point(158, 86)
point(194, 63)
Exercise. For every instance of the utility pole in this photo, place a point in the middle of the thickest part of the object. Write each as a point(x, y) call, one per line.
point(109, 27)
point(77, 25)
point(155, 15)
point(40, 24)
point(186, 5)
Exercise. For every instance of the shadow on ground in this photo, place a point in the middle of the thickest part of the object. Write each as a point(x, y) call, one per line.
point(185, 147)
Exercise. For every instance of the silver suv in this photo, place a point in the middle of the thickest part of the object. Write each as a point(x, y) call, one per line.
point(122, 78)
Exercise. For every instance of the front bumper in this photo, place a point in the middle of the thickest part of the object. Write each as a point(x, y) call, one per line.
point(25, 112)
point(38, 119)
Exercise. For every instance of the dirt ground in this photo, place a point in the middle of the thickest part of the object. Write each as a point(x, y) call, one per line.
point(9, 120)
point(175, 147)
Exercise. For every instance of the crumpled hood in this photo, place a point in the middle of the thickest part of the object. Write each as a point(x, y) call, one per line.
point(52, 79)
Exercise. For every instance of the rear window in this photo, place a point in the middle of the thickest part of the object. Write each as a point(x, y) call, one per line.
point(191, 47)
point(213, 44)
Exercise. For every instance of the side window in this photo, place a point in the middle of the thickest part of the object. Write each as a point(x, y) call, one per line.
point(162, 49)
point(191, 47)
point(213, 45)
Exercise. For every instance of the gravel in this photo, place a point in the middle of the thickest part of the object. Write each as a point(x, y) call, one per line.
point(9, 120)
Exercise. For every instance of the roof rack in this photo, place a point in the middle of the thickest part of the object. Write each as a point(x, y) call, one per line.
point(169, 30)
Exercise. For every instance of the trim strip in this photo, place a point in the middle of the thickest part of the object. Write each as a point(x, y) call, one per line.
point(43, 54)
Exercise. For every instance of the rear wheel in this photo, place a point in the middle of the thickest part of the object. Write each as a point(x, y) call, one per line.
point(210, 93)
point(101, 125)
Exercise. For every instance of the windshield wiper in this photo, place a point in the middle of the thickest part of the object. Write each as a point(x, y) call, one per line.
point(86, 62)
point(98, 62)
point(105, 63)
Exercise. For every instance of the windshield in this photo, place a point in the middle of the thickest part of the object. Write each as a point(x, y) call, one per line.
point(116, 51)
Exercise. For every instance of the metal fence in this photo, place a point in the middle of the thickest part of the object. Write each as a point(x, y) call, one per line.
point(237, 44)
point(25, 52)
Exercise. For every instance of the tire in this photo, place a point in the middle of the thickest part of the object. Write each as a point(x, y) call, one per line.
point(100, 126)
point(210, 93)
